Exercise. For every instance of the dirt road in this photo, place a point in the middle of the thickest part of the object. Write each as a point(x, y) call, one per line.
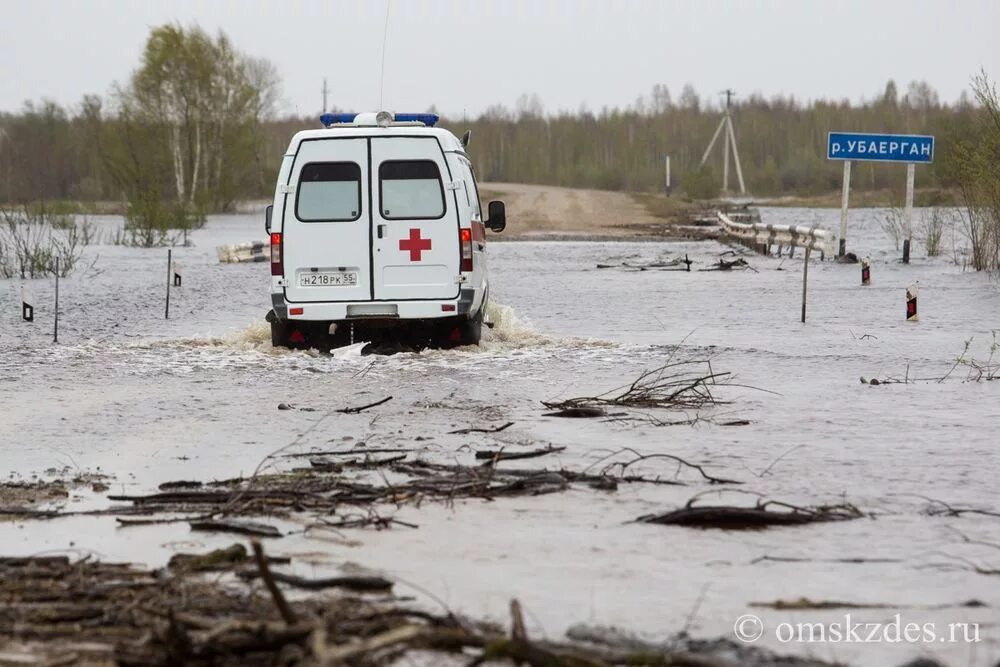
point(550, 211)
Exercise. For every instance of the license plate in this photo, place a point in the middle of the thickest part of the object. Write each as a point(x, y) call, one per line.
point(328, 279)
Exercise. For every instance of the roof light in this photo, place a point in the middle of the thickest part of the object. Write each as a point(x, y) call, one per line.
point(329, 119)
point(382, 118)
point(428, 119)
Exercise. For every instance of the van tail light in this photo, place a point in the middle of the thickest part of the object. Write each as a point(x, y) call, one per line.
point(465, 236)
point(277, 263)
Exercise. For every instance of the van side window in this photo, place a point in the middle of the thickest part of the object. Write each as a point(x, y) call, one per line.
point(476, 209)
point(410, 189)
point(329, 192)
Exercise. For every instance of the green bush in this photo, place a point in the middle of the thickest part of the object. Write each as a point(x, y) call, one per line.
point(701, 184)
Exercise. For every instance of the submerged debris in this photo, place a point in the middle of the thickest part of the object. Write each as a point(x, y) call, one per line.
point(676, 384)
point(729, 517)
point(577, 413)
point(674, 264)
point(729, 265)
point(350, 489)
point(57, 611)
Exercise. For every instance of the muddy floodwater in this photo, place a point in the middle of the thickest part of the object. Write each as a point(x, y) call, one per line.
point(146, 400)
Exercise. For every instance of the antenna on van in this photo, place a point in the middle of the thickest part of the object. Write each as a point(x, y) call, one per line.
point(385, 38)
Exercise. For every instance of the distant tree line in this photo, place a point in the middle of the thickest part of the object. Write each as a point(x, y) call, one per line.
point(194, 130)
point(781, 141)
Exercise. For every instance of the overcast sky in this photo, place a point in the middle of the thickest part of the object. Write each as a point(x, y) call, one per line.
point(463, 55)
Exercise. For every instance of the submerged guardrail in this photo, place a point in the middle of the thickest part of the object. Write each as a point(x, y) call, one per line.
point(762, 236)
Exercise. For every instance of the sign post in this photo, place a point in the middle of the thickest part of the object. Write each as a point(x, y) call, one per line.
point(909, 149)
point(844, 195)
point(908, 217)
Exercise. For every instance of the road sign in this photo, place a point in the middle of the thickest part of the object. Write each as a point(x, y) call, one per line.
point(880, 147)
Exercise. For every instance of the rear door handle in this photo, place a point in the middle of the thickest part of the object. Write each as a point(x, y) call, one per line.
point(381, 230)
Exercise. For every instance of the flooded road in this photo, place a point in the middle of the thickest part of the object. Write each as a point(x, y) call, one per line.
point(146, 400)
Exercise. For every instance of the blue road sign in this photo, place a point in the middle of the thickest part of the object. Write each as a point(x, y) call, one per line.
point(880, 147)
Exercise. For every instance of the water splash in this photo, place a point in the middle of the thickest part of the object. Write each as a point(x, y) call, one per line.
point(509, 331)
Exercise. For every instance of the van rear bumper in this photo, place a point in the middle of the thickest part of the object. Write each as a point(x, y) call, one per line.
point(403, 310)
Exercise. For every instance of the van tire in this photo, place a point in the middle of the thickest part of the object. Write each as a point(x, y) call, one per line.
point(470, 330)
point(294, 337)
point(279, 333)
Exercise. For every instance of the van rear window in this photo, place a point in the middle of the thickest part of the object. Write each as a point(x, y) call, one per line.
point(411, 189)
point(329, 192)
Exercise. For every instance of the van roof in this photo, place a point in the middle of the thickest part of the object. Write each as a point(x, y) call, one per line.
point(449, 142)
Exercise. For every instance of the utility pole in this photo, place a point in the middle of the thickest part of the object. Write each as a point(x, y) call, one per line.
point(729, 139)
point(325, 91)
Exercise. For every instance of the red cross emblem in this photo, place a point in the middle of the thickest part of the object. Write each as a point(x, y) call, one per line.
point(415, 245)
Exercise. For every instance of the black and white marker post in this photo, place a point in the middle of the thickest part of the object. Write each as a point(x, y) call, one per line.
point(27, 310)
point(166, 311)
point(911, 302)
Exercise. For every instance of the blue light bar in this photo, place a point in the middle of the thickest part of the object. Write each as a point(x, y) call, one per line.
point(428, 119)
point(329, 119)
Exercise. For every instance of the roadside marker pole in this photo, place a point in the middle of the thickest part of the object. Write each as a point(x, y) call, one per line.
point(55, 326)
point(166, 312)
point(844, 196)
point(908, 217)
point(666, 160)
point(805, 281)
point(911, 302)
point(27, 310)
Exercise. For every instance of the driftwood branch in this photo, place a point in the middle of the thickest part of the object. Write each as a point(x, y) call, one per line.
point(362, 408)
point(280, 602)
point(466, 431)
point(623, 465)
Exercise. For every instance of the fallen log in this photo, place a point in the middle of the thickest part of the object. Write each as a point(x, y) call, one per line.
point(359, 584)
point(750, 518)
point(234, 526)
point(577, 413)
point(500, 455)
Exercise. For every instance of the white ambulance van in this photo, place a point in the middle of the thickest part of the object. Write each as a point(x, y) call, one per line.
point(377, 234)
